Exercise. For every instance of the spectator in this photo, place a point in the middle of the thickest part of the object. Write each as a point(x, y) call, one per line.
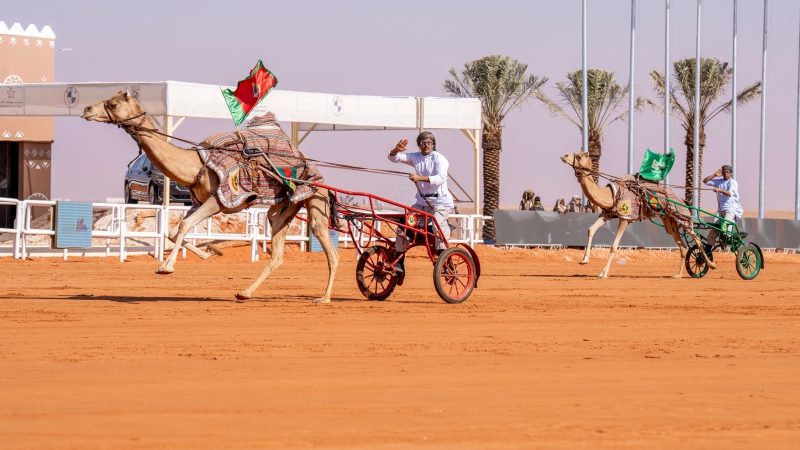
point(537, 204)
point(526, 204)
point(575, 204)
point(589, 208)
point(560, 207)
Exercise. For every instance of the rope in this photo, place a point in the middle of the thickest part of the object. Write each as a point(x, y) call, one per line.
point(319, 163)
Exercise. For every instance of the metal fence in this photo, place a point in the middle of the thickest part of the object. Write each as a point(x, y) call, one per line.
point(118, 231)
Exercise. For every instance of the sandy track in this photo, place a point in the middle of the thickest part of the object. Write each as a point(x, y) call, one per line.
point(100, 354)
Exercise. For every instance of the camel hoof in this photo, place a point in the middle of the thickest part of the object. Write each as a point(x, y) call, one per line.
point(165, 270)
point(678, 276)
point(242, 296)
point(322, 300)
point(585, 261)
point(602, 275)
point(213, 250)
point(713, 265)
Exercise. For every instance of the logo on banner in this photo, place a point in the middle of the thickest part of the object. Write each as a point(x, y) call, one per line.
point(12, 79)
point(337, 105)
point(71, 97)
point(135, 93)
point(233, 181)
point(81, 225)
point(11, 93)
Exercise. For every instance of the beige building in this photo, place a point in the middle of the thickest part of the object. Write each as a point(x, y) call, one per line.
point(26, 56)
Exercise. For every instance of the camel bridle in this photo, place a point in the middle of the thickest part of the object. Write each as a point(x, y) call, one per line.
point(580, 171)
point(114, 119)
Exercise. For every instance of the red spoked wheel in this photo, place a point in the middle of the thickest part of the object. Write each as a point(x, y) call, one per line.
point(454, 275)
point(373, 280)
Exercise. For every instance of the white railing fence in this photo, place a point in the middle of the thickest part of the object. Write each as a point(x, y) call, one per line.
point(117, 228)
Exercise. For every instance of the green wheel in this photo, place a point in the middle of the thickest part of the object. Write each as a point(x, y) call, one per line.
point(696, 265)
point(748, 262)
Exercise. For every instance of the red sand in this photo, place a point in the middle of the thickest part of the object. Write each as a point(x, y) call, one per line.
point(100, 354)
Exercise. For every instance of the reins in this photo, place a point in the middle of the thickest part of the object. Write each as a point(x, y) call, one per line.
point(129, 128)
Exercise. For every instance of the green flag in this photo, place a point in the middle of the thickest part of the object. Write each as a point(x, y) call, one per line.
point(656, 166)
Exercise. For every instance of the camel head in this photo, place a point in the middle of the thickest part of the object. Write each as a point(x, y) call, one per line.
point(116, 109)
point(578, 160)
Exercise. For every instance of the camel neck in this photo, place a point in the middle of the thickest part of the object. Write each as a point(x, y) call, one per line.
point(178, 164)
point(602, 197)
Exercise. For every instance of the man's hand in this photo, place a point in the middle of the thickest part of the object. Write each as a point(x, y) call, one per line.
point(718, 173)
point(416, 178)
point(400, 147)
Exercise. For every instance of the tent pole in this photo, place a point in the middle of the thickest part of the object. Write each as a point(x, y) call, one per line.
point(421, 115)
point(296, 134)
point(477, 163)
point(168, 129)
point(474, 136)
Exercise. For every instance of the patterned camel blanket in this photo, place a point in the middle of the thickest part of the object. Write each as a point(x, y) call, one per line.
point(251, 179)
point(642, 200)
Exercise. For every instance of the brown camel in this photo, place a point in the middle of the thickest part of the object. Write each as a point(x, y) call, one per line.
point(184, 165)
point(604, 198)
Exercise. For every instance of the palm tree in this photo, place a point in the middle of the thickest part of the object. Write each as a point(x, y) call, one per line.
point(603, 98)
point(502, 84)
point(714, 79)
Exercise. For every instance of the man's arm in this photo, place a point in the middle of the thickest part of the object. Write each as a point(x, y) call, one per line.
point(439, 175)
point(716, 174)
point(722, 191)
point(397, 155)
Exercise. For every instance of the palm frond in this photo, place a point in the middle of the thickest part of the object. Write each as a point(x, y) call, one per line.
point(501, 83)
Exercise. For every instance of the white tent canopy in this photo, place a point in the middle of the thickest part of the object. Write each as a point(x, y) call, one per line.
point(306, 111)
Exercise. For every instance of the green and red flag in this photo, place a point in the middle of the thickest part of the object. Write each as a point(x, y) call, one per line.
point(249, 92)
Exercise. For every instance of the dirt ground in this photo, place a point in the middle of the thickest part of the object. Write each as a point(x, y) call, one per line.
point(95, 353)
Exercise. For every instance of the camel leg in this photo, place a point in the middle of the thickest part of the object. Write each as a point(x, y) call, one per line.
point(592, 230)
point(280, 226)
point(206, 210)
point(317, 207)
point(699, 245)
point(203, 255)
point(622, 225)
point(672, 229)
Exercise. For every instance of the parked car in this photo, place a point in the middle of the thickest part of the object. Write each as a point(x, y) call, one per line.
point(144, 182)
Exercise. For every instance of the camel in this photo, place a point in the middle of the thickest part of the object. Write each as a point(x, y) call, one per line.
point(184, 166)
point(604, 199)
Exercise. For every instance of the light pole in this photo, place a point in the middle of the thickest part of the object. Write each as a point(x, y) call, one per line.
point(696, 151)
point(631, 88)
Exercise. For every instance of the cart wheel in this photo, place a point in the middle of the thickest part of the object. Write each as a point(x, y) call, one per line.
point(454, 275)
point(372, 281)
point(695, 264)
point(748, 262)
